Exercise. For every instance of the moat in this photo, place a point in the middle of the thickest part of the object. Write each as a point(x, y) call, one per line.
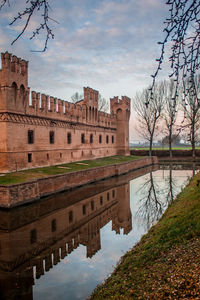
point(63, 246)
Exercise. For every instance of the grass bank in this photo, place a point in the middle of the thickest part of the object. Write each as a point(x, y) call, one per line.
point(165, 264)
point(26, 175)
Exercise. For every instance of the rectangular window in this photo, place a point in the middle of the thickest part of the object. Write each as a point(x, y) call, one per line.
point(113, 139)
point(84, 209)
point(51, 137)
point(69, 138)
point(70, 216)
point(107, 139)
point(83, 138)
point(91, 138)
point(100, 139)
point(33, 236)
point(53, 225)
point(92, 204)
point(30, 136)
point(29, 157)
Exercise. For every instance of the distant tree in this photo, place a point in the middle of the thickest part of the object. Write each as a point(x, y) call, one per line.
point(170, 112)
point(149, 112)
point(175, 139)
point(76, 97)
point(102, 104)
point(191, 108)
point(182, 31)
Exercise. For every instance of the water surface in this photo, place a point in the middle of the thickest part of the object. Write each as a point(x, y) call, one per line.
point(63, 246)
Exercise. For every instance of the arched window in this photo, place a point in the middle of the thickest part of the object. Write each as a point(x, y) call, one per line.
point(14, 91)
point(22, 92)
point(107, 139)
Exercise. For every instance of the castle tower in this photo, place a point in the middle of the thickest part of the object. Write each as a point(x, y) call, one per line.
point(91, 102)
point(13, 83)
point(121, 108)
point(124, 216)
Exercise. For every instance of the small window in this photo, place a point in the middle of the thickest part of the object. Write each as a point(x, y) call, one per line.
point(70, 216)
point(83, 138)
point(47, 156)
point(92, 205)
point(100, 139)
point(30, 136)
point(60, 155)
point(101, 200)
point(69, 138)
point(29, 157)
point(33, 236)
point(113, 193)
point(51, 137)
point(107, 139)
point(108, 196)
point(91, 138)
point(113, 139)
point(84, 209)
point(53, 225)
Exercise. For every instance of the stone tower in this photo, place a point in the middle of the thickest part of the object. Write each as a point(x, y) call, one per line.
point(121, 108)
point(13, 83)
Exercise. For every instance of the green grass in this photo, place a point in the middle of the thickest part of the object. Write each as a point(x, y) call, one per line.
point(27, 175)
point(179, 225)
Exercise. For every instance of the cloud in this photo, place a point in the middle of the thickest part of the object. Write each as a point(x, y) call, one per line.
point(109, 45)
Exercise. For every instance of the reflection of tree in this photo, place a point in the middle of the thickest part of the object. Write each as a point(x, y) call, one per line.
point(155, 198)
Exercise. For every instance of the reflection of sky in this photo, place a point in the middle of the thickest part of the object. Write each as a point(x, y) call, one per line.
point(76, 276)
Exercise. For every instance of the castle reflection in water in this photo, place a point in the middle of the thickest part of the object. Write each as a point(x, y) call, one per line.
point(34, 238)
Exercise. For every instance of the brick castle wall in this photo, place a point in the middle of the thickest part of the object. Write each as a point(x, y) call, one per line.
point(40, 130)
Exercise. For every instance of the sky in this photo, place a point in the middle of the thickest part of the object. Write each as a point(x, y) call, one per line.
point(108, 45)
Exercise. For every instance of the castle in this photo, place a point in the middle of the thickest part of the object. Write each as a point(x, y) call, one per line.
point(39, 130)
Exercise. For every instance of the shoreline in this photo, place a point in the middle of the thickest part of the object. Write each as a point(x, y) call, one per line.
point(20, 193)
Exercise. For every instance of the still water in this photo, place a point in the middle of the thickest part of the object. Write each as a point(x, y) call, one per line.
point(63, 246)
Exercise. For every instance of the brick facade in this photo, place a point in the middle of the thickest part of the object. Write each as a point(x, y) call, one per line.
point(39, 130)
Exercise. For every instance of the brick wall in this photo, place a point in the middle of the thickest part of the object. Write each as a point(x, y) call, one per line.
point(20, 193)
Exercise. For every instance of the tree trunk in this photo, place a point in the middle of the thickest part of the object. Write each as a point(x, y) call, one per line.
point(193, 140)
point(150, 146)
point(170, 142)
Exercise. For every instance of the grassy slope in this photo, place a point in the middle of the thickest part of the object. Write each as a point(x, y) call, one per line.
point(26, 175)
point(166, 262)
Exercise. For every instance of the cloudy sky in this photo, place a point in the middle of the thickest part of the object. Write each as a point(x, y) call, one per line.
point(109, 45)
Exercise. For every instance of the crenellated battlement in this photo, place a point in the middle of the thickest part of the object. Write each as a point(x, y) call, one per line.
point(116, 103)
point(40, 104)
point(14, 63)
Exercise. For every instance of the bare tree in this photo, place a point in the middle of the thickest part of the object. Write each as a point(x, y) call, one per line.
point(170, 111)
point(32, 8)
point(102, 104)
point(191, 110)
point(182, 31)
point(76, 97)
point(149, 112)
